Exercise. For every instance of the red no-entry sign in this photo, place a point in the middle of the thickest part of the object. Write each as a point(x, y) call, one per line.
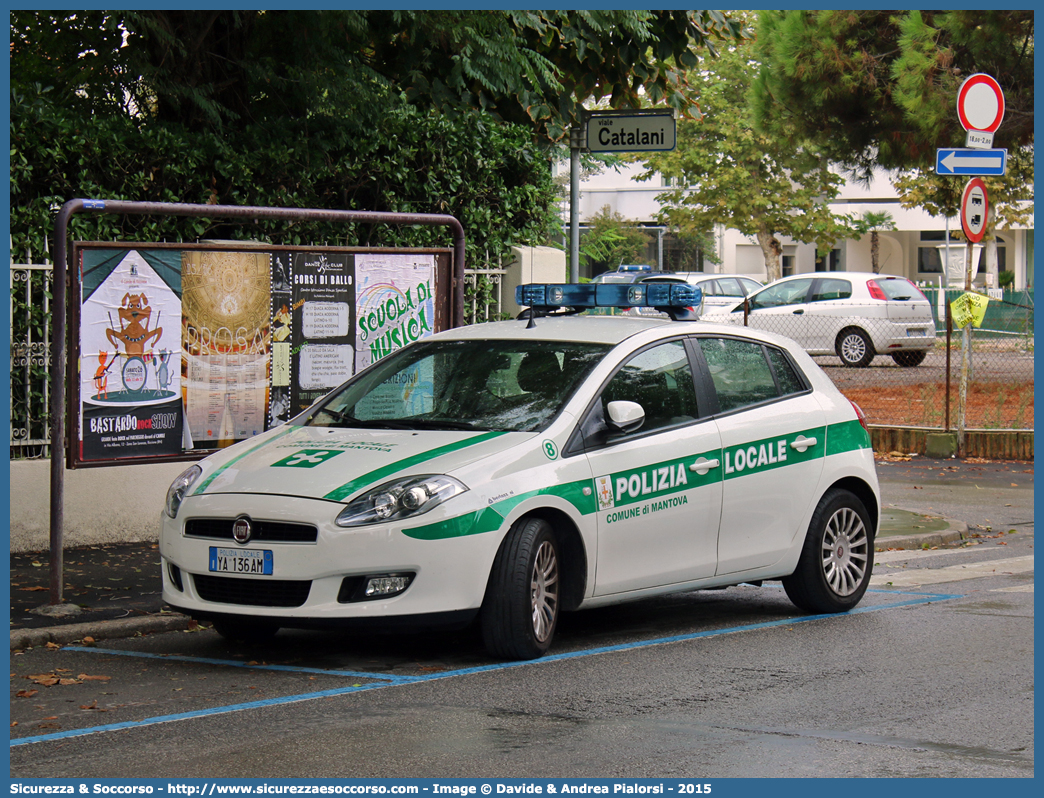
point(980, 103)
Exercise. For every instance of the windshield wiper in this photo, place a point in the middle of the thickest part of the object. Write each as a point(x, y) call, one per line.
point(345, 419)
point(442, 423)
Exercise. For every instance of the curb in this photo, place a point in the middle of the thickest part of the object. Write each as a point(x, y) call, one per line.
point(99, 630)
point(956, 533)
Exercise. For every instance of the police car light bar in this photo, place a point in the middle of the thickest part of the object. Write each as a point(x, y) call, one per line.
point(678, 300)
point(634, 267)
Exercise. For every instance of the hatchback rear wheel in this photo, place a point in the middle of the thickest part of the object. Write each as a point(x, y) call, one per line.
point(908, 358)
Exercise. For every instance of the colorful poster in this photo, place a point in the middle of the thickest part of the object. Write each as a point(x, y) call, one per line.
point(322, 355)
point(130, 354)
point(226, 334)
point(395, 300)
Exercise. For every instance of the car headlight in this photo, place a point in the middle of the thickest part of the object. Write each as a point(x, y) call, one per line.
point(403, 498)
point(179, 487)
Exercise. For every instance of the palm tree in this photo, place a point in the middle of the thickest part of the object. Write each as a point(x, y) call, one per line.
point(873, 223)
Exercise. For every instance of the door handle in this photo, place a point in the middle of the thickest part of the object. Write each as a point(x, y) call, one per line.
point(703, 465)
point(802, 443)
point(798, 312)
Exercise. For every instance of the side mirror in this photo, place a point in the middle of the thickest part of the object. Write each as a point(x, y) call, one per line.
point(625, 416)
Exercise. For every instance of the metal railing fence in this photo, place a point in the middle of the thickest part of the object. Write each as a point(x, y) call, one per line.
point(30, 355)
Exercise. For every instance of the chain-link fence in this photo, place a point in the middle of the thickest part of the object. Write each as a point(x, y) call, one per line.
point(905, 370)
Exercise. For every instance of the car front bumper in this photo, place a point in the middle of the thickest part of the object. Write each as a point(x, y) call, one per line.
point(315, 583)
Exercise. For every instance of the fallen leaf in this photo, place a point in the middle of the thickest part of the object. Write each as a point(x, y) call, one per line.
point(26, 693)
point(68, 681)
point(14, 723)
point(87, 678)
point(32, 589)
point(92, 705)
point(53, 646)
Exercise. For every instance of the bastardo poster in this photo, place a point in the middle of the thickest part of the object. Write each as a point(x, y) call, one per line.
point(130, 354)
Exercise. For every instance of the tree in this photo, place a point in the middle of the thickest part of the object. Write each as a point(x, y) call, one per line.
point(873, 222)
point(526, 67)
point(725, 172)
point(879, 88)
point(611, 240)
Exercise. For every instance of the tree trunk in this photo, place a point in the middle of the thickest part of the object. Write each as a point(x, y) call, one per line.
point(875, 251)
point(772, 250)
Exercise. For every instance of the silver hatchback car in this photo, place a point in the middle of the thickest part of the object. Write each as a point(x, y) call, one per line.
point(854, 315)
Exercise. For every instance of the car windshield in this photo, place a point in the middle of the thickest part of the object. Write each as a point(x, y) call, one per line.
point(516, 386)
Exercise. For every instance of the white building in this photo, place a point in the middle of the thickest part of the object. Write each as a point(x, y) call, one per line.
point(914, 249)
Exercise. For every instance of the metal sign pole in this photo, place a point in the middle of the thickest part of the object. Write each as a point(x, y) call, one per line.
point(962, 390)
point(576, 140)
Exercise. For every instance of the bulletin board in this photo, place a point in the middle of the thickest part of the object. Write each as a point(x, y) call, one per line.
point(183, 349)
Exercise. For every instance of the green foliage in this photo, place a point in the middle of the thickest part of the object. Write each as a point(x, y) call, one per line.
point(612, 239)
point(723, 171)
point(879, 88)
point(223, 68)
point(492, 177)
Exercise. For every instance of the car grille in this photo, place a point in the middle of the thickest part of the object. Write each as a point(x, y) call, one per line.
point(252, 592)
point(263, 531)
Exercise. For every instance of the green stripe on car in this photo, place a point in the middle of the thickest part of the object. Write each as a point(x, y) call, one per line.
point(490, 519)
point(662, 479)
point(375, 477)
point(206, 483)
point(847, 436)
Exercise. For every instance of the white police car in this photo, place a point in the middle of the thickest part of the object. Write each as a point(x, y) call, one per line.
point(514, 470)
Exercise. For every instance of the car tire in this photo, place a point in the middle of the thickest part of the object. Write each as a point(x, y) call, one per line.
point(837, 558)
point(244, 630)
point(908, 358)
point(521, 606)
point(855, 348)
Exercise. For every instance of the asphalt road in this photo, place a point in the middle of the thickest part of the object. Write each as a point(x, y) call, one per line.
point(932, 677)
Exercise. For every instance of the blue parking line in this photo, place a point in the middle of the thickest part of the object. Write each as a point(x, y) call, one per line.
point(386, 681)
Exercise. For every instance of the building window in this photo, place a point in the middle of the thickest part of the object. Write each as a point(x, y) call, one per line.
point(787, 265)
point(829, 262)
point(929, 258)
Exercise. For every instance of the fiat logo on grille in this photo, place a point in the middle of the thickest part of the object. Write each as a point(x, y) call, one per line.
point(242, 530)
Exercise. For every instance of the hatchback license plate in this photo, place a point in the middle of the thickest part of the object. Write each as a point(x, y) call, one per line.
point(916, 332)
point(241, 561)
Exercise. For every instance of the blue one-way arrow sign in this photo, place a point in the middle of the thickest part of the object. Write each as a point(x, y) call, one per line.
point(971, 162)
